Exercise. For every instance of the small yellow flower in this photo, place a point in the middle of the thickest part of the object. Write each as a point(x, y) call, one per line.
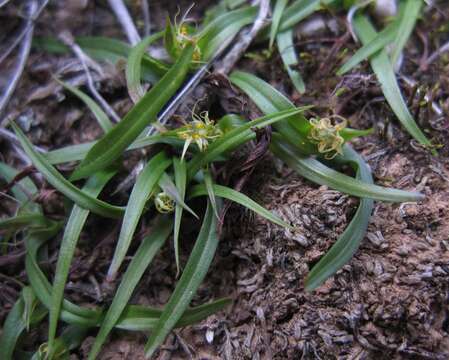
point(164, 203)
point(184, 36)
point(201, 130)
point(327, 136)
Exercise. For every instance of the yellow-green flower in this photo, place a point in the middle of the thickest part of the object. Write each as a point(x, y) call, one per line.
point(327, 136)
point(201, 130)
point(164, 203)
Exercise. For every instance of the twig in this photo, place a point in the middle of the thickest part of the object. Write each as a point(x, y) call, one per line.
point(436, 54)
point(245, 39)
point(23, 31)
point(146, 18)
point(67, 38)
point(22, 59)
point(11, 137)
point(122, 15)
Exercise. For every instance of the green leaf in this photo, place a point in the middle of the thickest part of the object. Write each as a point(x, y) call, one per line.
point(22, 190)
point(380, 41)
point(60, 183)
point(79, 151)
point(299, 10)
point(23, 220)
point(134, 317)
point(180, 170)
point(287, 51)
point(196, 269)
point(208, 182)
point(16, 323)
point(412, 9)
point(385, 74)
point(239, 198)
point(319, 173)
point(222, 30)
point(170, 39)
point(269, 100)
point(105, 49)
point(100, 115)
point(292, 153)
point(348, 242)
point(72, 231)
point(71, 338)
point(144, 186)
point(70, 312)
point(276, 19)
point(139, 318)
point(112, 145)
point(140, 262)
point(167, 185)
point(235, 137)
point(134, 67)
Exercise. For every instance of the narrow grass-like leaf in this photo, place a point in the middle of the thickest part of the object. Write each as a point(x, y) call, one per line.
point(239, 198)
point(348, 242)
point(145, 184)
point(142, 258)
point(383, 69)
point(412, 9)
point(134, 67)
point(134, 317)
point(71, 338)
point(79, 151)
point(138, 318)
point(319, 173)
point(237, 136)
point(276, 20)
point(70, 313)
point(196, 269)
point(208, 182)
point(180, 170)
point(286, 48)
point(105, 49)
point(269, 100)
point(222, 30)
point(23, 191)
point(15, 324)
point(112, 145)
point(100, 115)
point(72, 231)
point(167, 185)
point(382, 39)
point(63, 185)
point(23, 220)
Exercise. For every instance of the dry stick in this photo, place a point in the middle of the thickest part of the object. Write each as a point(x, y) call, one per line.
point(23, 31)
point(436, 54)
point(245, 39)
point(11, 137)
point(67, 38)
point(122, 15)
point(146, 18)
point(22, 59)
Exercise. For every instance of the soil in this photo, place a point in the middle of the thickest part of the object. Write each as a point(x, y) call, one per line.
point(390, 302)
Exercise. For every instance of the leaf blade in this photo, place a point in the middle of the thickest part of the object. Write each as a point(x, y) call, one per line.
point(112, 145)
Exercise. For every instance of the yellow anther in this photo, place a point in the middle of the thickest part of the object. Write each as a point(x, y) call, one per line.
point(326, 135)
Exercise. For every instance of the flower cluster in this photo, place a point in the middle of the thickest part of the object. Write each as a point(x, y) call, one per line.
point(184, 36)
point(327, 136)
point(201, 130)
point(164, 203)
